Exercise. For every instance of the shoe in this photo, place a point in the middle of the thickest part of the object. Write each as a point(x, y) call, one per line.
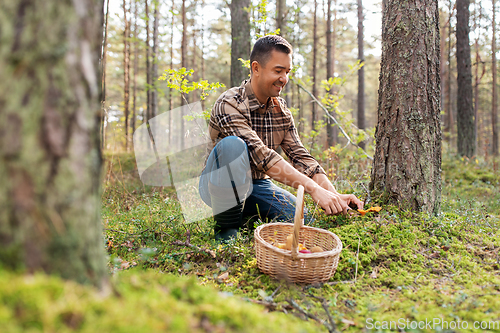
point(227, 210)
point(225, 234)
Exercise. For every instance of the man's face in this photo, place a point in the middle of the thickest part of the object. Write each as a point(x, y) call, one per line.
point(272, 77)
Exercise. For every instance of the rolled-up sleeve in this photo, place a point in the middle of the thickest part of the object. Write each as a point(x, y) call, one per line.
point(230, 122)
point(299, 156)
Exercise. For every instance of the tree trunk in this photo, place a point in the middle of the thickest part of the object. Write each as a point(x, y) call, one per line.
point(183, 61)
point(154, 76)
point(407, 165)
point(148, 66)
point(315, 50)
point(103, 70)
point(449, 110)
point(170, 90)
point(494, 111)
point(126, 72)
point(330, 59)
point(49, 130)
point(240, 40)
point(136, 69)
point(465, 111)
point(478, 78)
point(361, 72)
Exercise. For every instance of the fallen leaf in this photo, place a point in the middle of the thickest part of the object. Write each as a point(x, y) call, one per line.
point(348, 322)
point(373, 275)
point(434, 255)
point(224, 276)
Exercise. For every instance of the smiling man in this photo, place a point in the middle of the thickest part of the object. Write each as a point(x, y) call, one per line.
point(247, 125)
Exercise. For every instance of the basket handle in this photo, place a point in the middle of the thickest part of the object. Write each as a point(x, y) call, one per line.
point(298, 220)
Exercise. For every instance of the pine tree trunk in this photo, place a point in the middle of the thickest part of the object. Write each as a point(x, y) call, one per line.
point(148, 66)
point(465, 111)
point(315, 50)
point(154, 76)
point(136, 68)
point(240, 40)
point(494, 111)
point(103, 70)
point(183, 61)
point(407, 165)
point(330, 58)
point(49, 133)
point(449, 110)
point(126, 73)
point(361, 72)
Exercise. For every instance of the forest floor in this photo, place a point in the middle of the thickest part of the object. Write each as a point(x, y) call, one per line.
point(398, 270)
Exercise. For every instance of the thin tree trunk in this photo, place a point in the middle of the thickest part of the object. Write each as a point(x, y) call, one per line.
point(103, 69)
point(202, 48)
point(315, 50)
point(126, 72)
point(170, 90)
point(494, 111)
point(240, 40)
point(477, 28)
point(154, 76)
point(449, 121)
point(407, 161)
point(136, 68)
point(148, 66)
point(183, 62)
point(51, 157)
point(361, 72)
point(444, 84)
point(330, 140)
point(465, 111)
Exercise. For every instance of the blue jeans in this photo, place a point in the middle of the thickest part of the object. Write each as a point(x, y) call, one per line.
point(263, 199)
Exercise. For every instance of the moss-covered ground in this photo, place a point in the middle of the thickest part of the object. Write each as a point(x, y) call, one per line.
point(398, 270)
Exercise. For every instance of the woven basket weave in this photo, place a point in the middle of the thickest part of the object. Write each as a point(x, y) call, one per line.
point(291, 265)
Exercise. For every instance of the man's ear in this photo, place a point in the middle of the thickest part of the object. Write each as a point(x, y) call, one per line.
point(255, 67)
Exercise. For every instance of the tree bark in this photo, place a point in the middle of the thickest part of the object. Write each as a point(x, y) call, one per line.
point(465, 112)
point(407, 164)
point(315, 50)
point(494, 111)
point(183, 61)
point(361, 72)
point(330, 60)
point(103, 70)
point(126, 72)
point(154, 76)
point(148, 66)
point(240, 40)
point(136, 68)
point(449, 126)
point(49, 138)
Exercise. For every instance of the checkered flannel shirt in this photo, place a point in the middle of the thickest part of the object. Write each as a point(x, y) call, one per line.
point(264, 128)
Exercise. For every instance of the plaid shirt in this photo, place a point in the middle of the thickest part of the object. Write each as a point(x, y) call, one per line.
point(264, 128)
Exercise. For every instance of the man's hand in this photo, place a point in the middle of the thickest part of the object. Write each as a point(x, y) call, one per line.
point(334, 203)
point(320, 188)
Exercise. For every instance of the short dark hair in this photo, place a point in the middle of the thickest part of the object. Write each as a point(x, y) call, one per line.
point(265, 45)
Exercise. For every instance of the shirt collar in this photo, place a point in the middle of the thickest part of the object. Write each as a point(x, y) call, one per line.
point(253, 102)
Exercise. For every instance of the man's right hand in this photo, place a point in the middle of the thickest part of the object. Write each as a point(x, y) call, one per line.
point(332, 203)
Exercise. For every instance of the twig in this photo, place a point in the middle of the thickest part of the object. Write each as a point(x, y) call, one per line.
point(357, 255)
point(324, 304)
point(274, 292)
point(304, 312)
point(197, 248)
point(349, 141)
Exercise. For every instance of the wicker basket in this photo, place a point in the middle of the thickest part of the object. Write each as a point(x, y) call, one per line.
point(291, 265)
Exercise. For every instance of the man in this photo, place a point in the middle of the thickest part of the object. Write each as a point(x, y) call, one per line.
point(247, 125)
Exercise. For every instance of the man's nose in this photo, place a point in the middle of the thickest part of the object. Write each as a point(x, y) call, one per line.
point(284, 79)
